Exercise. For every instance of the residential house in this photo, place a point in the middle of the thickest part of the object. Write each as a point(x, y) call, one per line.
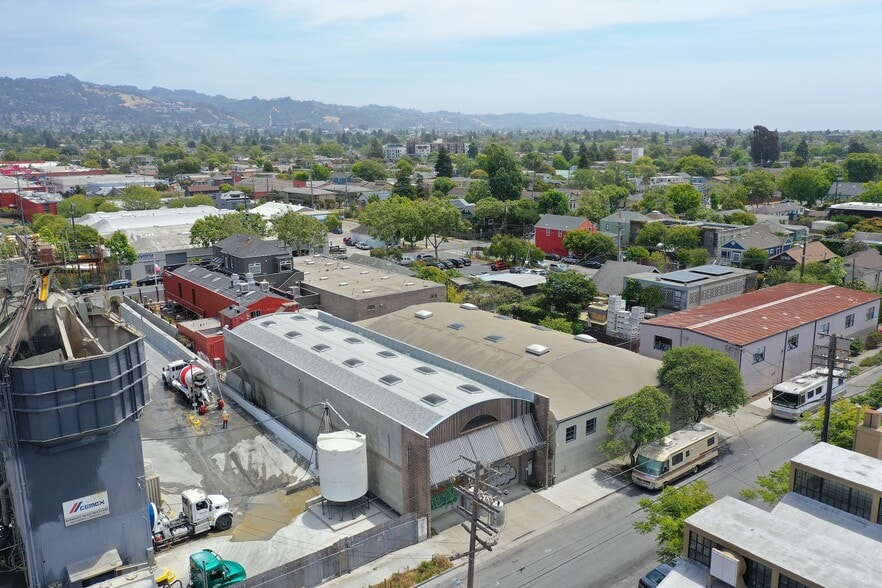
point(232, 200)
point(845, 190)
point(465, 208)
point(802, 253)
point(618, 225)
point(249, 254)
point(669, 180)
point(790, 210)
point(865, 266)
point(771, 333)
point(612, 275)
point(753, 237)
point(207, 189)
point(822, 533)
point(552, 228)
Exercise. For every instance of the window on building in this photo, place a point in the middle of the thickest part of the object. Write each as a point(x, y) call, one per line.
point(700, 548)
point(824, 329)
point(255, 313)
point(760, 354)
point(433, 296)
point(590, 427)
point(792, 342)
point(571, 433)
point(285, 266)
point(254, 268)
point(757, 575)
point(547, 232)
point(849, 320)
point(833, 493)
point(662, 343)
point(372, 307)
point(785, 582)
point(871, 313)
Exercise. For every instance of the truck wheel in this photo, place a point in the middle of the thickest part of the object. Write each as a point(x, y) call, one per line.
point(224, 522)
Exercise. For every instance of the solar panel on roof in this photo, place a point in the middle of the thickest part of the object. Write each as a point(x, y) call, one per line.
point(712, 270)
point(683, 277)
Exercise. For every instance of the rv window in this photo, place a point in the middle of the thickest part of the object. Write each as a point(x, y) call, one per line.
point(711, 441)
point(676, 459)
point(687, 453)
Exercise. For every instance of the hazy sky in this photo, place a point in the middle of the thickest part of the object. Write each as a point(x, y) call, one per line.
point(790, 65)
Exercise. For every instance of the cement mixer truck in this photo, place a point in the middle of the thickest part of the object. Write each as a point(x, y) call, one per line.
point(200, 513)
point(190, 379)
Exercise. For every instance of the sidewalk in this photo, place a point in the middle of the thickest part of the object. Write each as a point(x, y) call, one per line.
point(526, 513)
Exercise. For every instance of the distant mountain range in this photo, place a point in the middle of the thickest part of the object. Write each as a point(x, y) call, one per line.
point(64, 102)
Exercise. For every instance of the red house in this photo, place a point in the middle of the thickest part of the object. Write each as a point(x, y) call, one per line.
point(552, 228)
point(31, 203)
point(207, 294)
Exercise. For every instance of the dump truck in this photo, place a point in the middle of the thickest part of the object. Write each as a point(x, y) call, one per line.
point(189, 379)
point(200, 513)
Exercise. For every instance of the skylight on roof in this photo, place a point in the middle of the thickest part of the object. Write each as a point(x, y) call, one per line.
point(494, 338)
point(425, 370)
point(267, 323)
point(320, 347)
point(386, 354)
point(536, 349)
point(502, 316)
point(293, 334)
point(456, 326)
point(353, 340)
point(323, 328)
point(352, 362)
point(434, 399)
point(390, 379)
point(298, 317)
point(470, 388)
point(541, 328)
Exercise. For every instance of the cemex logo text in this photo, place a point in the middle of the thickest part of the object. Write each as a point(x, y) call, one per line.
point(81, 506)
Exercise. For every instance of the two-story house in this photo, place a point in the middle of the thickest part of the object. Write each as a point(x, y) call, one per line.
point(552, 228)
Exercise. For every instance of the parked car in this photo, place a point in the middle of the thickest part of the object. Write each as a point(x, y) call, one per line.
point(591, 263)
point(119, 284)
point(348, 241)
point(557, 267)
point(655, 577)
point(149, 280)
point(479, 274)
point(362, 245)
point(538, 271)
point(569, 259)
point(517, 270)
point(456, 262)
point(552, 256)
point(466, 262)
point(338, 231)
point(86, 289)
point(406, 260)
point(498, 266)
point(444, 264)
point(424, 256)
point(341, 256)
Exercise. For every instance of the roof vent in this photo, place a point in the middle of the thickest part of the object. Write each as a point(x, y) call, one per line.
point(366, 291)
point(424, 314)
point(323, 278)
point(585, 338)
point(384, 277)
point(408, 283)
point(344, 283)
point(363, 272)
point(536, 349)
point(310, 262)
point(456, 326)
point(344, 267)
point(494, 338)
point(468, 306)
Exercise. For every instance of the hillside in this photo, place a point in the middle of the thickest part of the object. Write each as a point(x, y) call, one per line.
point(64, 102)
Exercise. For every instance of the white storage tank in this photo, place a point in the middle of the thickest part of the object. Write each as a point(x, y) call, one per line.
point(342, 461)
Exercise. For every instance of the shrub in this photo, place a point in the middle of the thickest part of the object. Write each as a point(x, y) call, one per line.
point(856, 346)
point(873, 340)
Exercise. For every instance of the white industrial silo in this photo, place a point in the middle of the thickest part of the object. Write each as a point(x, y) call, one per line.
point(342, 461)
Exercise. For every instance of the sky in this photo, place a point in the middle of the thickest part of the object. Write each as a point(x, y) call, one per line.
point(785, 64)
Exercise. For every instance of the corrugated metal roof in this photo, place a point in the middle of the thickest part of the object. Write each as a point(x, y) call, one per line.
point(488, 445)
point(763, 313)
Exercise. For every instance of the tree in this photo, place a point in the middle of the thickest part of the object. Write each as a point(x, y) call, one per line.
point(299, 230)
point(667, 513)
point(702, 149)
point(444, 165)
point(140, 198)
point(656, 199)
point(863, 167)
point(508, 248)
point(439, 219)
point(756, 259)
point(369, 170)
point(770, 488)
point(506, 180)
point(695, 165)
point(805, 184)
point(651, 235)
point(844, 417)
point(636, 420)
point(477, 191)
point(403, 186)
point(443, 185)
point(644, 168)
point(764, 147)
point(320, 172)
point(568, 293)
point(120, 250)
point(593, 205)
point(553, 202)
point(637, 253)
point(76, 206)
point(332, 223)
point(760, 186)
point(208, 230)
point(683, 237)
point(584, 243)
point(584, 158)
point(685, 199)
point(701, 382)
point(652, 297)
point(802, 150)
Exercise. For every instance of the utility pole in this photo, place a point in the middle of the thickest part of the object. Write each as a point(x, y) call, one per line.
point(802, 264)
point(479, 504)
point(832, 360)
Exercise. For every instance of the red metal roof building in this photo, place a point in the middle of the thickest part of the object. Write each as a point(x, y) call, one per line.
point(770, 333)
